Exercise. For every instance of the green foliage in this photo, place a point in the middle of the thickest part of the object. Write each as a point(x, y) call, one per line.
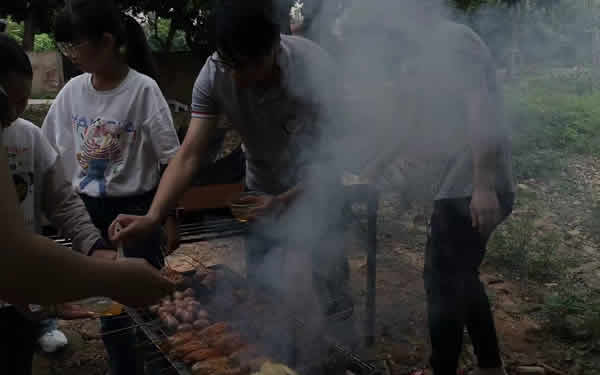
point(15, 29)
point(158, 35)
point(44, 42)
point(519, 251)
point(552, 115)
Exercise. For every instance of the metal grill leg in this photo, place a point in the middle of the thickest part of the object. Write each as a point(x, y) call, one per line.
point(372, 208)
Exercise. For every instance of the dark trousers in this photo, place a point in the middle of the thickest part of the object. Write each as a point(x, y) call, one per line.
point(455, 295)
point(18, 344)
point(120, 344)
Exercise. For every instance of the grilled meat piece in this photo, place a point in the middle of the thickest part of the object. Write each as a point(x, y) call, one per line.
point(182, 350)
point(181, 338)
point(201, 355)
point(210, 366)
point(231, 371)
point(201, 324)
point(214, 330)
point(229, 343)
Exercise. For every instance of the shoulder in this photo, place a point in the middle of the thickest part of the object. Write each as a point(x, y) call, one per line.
point(77, 82)
point(23, 131)
point(141, 81)
point(26, 125)
point(72, 88)
point(26, 128)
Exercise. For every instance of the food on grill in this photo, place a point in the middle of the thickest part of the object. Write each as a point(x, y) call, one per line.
point(184, 349)
point(154, 309)
point(229, 343)
point(201, 355)
point(244, 355)
point(188, 293)
point(200, 324)
point(172, 275)
point(210, 366)
point(201, 273)
point(169, 320)
point(210, 280)
point(178, 295)
point(181, 338)
point(183, 327)
point(257, 363)
point(214, 330)
point(231, 371)
point(270, 368)
point(202, 315)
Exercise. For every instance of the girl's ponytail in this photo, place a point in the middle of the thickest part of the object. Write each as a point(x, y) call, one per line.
point(137, 50)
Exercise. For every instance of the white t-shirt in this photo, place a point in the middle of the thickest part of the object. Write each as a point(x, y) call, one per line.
point(30, 157)
point(112, 142)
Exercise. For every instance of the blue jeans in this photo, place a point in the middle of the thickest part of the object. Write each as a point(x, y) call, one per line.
point(120, 345)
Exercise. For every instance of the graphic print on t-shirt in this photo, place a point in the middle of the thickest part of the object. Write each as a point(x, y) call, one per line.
point(19, 162)
point(103, 144)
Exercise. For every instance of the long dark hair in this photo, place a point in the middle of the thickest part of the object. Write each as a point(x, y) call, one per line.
point(13, 60)
point(90, 19)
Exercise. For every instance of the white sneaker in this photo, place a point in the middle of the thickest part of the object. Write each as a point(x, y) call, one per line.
point(53, 341)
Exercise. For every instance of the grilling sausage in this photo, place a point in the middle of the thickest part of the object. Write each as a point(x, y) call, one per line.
point(169, 320)
point(210, 366)
point(200, 355)
point(180, 338)
point(214, 330)
point(201, 324)
point(184, 327)
point(229, 343)
point(181, 351)
point(202, 315)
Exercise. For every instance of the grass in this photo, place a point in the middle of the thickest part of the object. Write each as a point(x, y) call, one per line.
point(554, 116)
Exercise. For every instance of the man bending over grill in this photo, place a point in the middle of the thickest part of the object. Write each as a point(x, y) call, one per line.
point(274, 89)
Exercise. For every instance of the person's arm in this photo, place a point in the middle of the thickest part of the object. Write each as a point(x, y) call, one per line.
point(37, 270)
point(183, 167)
point(484, 140)
point(176, 179)
point(67, 212)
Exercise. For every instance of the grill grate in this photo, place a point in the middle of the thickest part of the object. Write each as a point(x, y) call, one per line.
point(274, 326)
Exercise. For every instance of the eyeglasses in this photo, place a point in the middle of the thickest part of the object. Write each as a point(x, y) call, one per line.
point(69, 49)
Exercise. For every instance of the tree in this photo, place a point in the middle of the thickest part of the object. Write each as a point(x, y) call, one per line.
point(38, 16)
point(194, 17)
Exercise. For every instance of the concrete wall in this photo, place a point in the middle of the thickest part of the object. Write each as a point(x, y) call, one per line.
point(48, 77)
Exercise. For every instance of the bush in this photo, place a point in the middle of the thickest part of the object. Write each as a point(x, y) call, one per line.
point(553, 115)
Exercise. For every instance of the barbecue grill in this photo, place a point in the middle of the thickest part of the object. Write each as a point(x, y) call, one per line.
point(338, 360)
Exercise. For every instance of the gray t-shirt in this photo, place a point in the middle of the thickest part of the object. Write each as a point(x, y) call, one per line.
point(452, 62)
point(281, 126)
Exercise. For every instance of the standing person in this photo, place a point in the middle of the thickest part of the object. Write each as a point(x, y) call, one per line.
point(459, 128)
point(275, 91)
point(114, 130)
point(46, 273)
